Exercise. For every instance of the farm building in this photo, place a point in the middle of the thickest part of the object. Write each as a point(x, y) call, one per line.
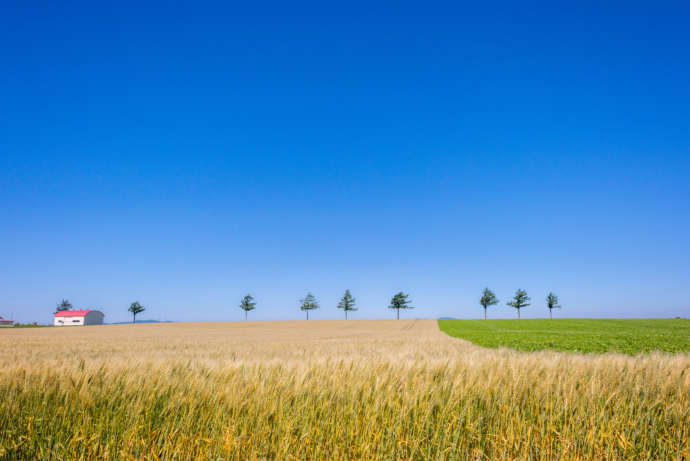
point(81, 317)
point(6, 323)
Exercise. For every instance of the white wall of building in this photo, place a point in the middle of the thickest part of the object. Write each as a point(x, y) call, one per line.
point(67, 321)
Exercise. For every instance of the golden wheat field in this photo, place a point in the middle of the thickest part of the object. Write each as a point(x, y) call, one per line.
point(328, 390)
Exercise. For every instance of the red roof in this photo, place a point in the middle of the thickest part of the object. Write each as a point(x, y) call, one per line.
point(72, 313)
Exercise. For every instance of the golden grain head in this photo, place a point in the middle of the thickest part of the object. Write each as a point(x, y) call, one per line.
point(328, 390)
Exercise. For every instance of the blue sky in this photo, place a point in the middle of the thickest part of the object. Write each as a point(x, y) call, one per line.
point(183, 154)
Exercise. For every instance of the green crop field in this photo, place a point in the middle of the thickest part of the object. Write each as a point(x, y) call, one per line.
point(629, 336)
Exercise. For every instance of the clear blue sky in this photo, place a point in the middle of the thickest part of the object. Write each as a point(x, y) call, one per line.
point(183, 154)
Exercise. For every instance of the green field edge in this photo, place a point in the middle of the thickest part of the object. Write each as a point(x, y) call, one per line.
point(576, 335)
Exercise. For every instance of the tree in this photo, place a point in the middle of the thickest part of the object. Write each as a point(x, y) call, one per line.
point(63, 306)
point(400, 301)
point(347, 303)
point(135, 308)
point(308, 303)
point(519, 300)
point(247, 305)
point(552, 303)
point(488, 299)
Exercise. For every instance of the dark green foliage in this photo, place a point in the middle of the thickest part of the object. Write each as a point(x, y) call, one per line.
point(347, 303)
point(488, 299)
point(63, 306)
point(308, 303)
point(552, 303)
point(135, 308)
point(247, 305)
point(400, 301)
point(519, 300)
point(628, 336)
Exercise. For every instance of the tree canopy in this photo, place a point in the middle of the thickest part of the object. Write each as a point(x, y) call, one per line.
point(519, 300)
point(135, 308)
point(309, 303)
point(347, 303)
point(552, 303)
point(63, 306)
point(400, 301)
point(247, 304)
point(488, 299)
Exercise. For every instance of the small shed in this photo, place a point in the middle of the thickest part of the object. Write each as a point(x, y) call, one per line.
point(78, 318)
point(6, 323)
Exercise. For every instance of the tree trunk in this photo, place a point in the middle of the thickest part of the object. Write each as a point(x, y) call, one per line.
point(518, 314)
point(245, 316)
point(550, 314)
point(345, 314)
point(485, 313)
point(398, 312)
point(134, 318)
point(307, 313)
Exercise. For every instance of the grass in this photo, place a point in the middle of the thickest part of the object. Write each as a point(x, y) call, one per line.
point(28, 325)
point(628, 336)
point(328, 390)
